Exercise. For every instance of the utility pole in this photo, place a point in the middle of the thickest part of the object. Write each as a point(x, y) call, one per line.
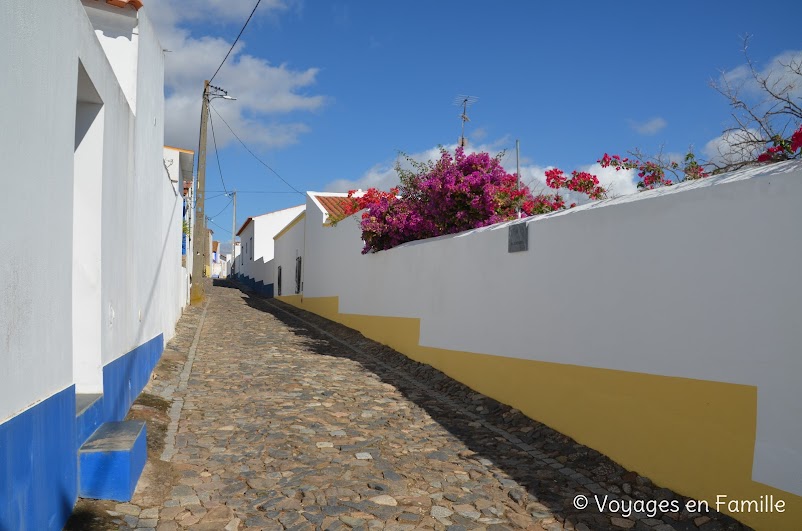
point(234, 226)
point(201, 234)
point(197, 292)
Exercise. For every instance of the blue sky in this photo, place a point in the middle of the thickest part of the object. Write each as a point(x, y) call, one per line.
point(329, 92)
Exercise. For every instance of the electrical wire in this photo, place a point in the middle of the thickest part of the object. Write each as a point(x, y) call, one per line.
point(217, 155)
point(224, 209)
point(254, 154)
point(235, 40)
point(221, 194)
point(251, 192)
point(218, 226)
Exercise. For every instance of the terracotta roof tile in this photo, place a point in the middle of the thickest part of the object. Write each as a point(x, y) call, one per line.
point(136, 4)
point(334, 205)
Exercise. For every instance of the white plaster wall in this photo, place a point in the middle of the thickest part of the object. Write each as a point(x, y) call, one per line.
point(143, 246)
point(289, 246)
point(172, 165)
point(118, 34)
point(699, 280)
point(244, 262)
point(37, 199)
point(262, 229)
point(87, 226)
point(266, 228)
point(141, 214)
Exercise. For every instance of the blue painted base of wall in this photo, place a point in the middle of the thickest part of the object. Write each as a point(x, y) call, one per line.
point(38, 447)
point(38, 468)
point(87, 421)
point(266, 290)
point(111, 461)
point(125, 377)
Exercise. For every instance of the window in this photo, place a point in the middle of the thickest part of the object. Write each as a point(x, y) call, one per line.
point(278, 281)
point(251, 248)
point(298, 266)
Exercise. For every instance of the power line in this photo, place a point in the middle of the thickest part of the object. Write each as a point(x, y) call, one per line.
point(235, 40)
point(218, 226)
point(224, 209)
point(217, 155)
point(221, 194)
point(254, 154)
point(249, 192)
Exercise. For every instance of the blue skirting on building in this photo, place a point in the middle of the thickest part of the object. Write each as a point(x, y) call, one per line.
point(39, 447)
point(125, 377)
point(38, 465)
point(256, 286)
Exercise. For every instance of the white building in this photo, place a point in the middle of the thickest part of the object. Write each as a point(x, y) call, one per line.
point(254, 265)
point(87, 310)
point(308, 235)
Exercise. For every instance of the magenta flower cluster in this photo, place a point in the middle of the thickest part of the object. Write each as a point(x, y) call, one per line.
point(457, 193)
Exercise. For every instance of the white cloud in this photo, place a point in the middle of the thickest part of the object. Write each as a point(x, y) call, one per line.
point(733, 146)
point(169, 12)
point(264, 91)
point(778, 71)
point(478, 134)
point(383, 175)
point(753, 85)
point(616, 183)
point(649, 127)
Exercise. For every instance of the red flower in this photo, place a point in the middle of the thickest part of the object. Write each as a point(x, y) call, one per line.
point(796, 139)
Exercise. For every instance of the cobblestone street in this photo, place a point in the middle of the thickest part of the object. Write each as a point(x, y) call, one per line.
point(280, 419)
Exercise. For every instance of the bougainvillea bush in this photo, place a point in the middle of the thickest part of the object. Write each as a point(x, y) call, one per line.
point(652, 174)
point(782, 148)
point(455, 193)
point(466, 191)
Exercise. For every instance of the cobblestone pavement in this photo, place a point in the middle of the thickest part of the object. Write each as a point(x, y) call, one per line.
point(281, 419)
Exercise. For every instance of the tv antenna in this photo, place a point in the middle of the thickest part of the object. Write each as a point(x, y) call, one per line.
point(464, 101)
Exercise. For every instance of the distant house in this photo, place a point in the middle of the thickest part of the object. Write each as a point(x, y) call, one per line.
point(302, 244)
point(232, 267)
point(207, 271)
point(288, 260)
point(254, 266)
point(217, 261)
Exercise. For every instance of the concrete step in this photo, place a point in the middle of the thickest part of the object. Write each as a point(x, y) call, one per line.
point(88, 416)
point(111, 461)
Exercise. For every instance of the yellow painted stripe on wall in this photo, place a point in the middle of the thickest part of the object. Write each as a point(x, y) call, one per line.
point(693, 436)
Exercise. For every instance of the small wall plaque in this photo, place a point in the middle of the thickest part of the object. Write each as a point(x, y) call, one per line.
point(518, 238)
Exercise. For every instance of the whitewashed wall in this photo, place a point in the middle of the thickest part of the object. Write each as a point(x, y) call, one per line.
point(699, 281)
point(244, 262)
point(139, 216)
point(253, 263)
point(289, 246)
